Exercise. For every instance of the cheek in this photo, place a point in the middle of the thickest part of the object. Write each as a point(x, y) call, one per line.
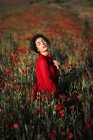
point(39, 48)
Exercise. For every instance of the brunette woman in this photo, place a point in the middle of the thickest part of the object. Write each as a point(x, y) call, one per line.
point(47, 69)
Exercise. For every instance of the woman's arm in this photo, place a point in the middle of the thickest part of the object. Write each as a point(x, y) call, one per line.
point(47, 79)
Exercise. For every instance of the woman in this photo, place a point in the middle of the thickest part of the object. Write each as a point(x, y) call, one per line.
point(47, 69)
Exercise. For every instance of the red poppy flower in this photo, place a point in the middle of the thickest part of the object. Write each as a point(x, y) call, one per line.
point(62, 113)
point(70, 136)
point(52, 134)
point(80, 96)
point(7, 72)
point(36, 112)
point(24, 71)
point(63, 133)
point(32, 97)
point(6, 125)
point(87, 125)
point(1, 86)
point(58, 106)
point(16, 125)
point(18, 86)
point(22, 49)
point(42, 111)
point(42, 98)
point(73, 106)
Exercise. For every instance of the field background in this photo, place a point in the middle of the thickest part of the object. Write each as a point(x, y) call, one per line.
point(69, 26)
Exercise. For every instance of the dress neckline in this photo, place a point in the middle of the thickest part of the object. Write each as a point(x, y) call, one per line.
point(47, 56)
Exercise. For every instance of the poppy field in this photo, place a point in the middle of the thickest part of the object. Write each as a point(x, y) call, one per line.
point(24, 117)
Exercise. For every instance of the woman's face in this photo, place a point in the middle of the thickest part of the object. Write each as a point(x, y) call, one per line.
point(41, 45)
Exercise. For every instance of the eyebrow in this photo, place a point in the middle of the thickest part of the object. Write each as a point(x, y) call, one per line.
point(37, 42)
point(41, 40)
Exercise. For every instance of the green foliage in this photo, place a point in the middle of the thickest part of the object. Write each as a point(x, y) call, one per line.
point(23, 117)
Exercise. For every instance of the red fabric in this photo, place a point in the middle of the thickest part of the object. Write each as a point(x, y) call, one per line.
point(46, 75)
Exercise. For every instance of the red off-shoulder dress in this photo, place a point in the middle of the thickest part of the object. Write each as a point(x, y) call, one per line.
point(46, 75)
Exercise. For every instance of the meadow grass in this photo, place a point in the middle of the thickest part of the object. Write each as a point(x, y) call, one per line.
point(24, 117)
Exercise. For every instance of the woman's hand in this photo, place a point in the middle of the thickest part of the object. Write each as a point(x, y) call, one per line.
point(57, 64)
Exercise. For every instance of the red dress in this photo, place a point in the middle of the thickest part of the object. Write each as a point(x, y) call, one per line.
point(46, 75)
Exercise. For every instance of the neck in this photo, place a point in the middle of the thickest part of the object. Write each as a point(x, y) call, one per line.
point(45, 53)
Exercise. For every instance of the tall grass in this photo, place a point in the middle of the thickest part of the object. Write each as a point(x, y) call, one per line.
point(23, 117)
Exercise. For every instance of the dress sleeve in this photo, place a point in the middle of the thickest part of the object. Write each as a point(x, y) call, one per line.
point(48, 82)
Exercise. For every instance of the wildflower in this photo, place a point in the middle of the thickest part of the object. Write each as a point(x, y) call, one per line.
point(13, 54)
point(23, 70)
point(4, 80)
point(1, 86)
point(63, 133)
point(32, 97)
point(6, 125)
point(63, 99)
point(73, 106)
point(36, 112)
point(58, 106)
point(22, 49)
point(25, 59)
point(7, 72)
point(52, 134)
point(65, 65)
point(42, 98)
point(42, 111)
point(11, 85)
point(16, 125)
point(87, 125)
point(32, 83)
point(62, 113)
point(70, 136)
point(80, 96)
point(18, 86)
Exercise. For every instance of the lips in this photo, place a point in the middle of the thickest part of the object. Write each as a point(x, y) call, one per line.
point(44, 46)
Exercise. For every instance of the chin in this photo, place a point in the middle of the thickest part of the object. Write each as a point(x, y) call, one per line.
point(45, 49)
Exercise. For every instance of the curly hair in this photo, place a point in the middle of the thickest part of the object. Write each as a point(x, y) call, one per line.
point(33, 40)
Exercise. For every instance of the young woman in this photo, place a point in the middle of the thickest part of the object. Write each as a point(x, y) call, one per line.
point(47, 69)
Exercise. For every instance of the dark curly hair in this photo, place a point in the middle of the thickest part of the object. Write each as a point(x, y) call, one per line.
point(33, 40)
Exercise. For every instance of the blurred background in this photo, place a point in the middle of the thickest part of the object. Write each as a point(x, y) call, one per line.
point(81, 8)
point(51, 14)
point(69, 26)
